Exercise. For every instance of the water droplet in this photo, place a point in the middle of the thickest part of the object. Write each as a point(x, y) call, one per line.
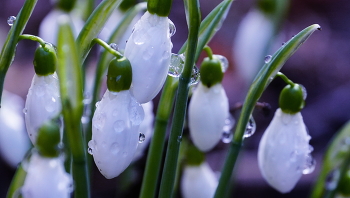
point(283, 43)
point(115, 148)
point(84, 119)
point(304, 91)
point(172, 28)
point(223, 60)
point(119, 126)
point(11, 20)
point(332, 179)
point(99, 120)
point(229, 123)
point(311, 148)
point(148, 53)
point(142, 137)
point(250, 129)
point(50, 104)
point(140, 37)
point(91, 146)
point(136, 115)
point(176, 66)
point(39, 91)
point(179, 138)
point(226, 137)
point(194, 76)
point(114, 46)
point(267, 58)
point(310, 164)
point(25, 111)
point(97, 103)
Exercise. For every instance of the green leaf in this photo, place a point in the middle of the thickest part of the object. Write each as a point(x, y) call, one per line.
point(94, 25)
point(17, 182)
point(8, 51)
point(262, 80)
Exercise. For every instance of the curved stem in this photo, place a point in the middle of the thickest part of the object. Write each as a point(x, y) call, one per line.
point(209, 52)
point(285, 78)
point(107, 47)
point(33, 38)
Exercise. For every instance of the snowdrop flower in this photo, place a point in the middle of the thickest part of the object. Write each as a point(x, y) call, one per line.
point(146, 128)
point(45, 171)
point(284, 150)
point(198, 181)
point(43, 99)
point(14, 141)
point(149, 51)
point(208, 108)
point(116, 122)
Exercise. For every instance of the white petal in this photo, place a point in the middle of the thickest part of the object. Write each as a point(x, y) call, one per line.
point(49, 26)
point(43, 103)
point(115, 132)
point(250, 44)
point(198, 181)
point(208, 110)
point(149, 49)
point(146, 128)
point(283, 151)
point(14, 141)
point(46, 177)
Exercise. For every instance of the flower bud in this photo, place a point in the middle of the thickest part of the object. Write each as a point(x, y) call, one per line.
point(211, 72)
point(115, 132)
point(208, 110)
point(149, 51)
point(48, 139)
point(45, 60)
point(291, 99)
point(284, 151)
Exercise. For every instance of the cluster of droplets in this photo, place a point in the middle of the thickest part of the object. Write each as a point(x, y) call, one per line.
point(11, 20)
point(195, 76)
point(227, 134)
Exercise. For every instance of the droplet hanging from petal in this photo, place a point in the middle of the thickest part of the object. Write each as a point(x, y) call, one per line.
point(11, 20)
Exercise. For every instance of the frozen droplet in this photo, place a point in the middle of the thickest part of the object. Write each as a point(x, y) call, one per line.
point(119, 126)
point(223, 60)
point(97, 103)
point(114, 46)
point(135, 115)
point(250, 129)
point(194, 76)
point(310, 164)
point(332, 179)
point(172, 28)
point(148, 53)
point(142, 137)
point(115, 148)
point(25, 111)
point(229, 123)
point(140, 37)
point(11, 20)
point(267, 58)
point(39, 91)
point(50, 104)
point(179, 138)
point(304, 91)
point(226, 137)
point(91, 146)
point(176, 66)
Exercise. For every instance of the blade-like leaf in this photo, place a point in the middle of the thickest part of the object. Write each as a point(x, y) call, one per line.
point(8, 51)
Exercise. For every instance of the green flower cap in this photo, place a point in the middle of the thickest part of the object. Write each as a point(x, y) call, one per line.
point(267, 6)
point(194, 156)
point(291, 99)
point(119, 75)
point(48, 139)
point(66, 5)
point(211, 72)
point(45, 60)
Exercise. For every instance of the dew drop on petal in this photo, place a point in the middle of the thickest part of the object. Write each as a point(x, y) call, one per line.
point(194, 76)
point(226, 137)
point(39, 91)
point(11, 20)
point(223, 60)
point(148, 53)
point(91, 146)
point(332, 179)
point(176, 65)
point(283, 43)
point(229, 123)
point(119, 126)
point(140, 37)
point(172, 28)
point(267, 58)
point(304, 91)
point(115, 148)
point(114, 46)
point(310, 164)
point(97, 103)
point(25, 111)
point(136, 116)
point(250, 129)
point(142, 137)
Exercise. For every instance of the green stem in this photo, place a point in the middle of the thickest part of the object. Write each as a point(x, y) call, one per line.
point(17, 182)
point(169, 171)
point(159, 7)
point(106, 46)
point(8, 50)
point(285, 78)
point(209, 52)
point(33, 38)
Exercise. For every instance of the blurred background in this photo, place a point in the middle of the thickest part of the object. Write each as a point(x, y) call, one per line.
point(321, 65)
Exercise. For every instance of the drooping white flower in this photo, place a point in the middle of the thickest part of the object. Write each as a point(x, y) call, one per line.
point(14, 141)
point(42, 104)
point(115, 132)
point(198, 181)
point(49, 26)
point(46, 177)
point(284, 151)
point(149, 51)
point(207, 112)
point(146, 128)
